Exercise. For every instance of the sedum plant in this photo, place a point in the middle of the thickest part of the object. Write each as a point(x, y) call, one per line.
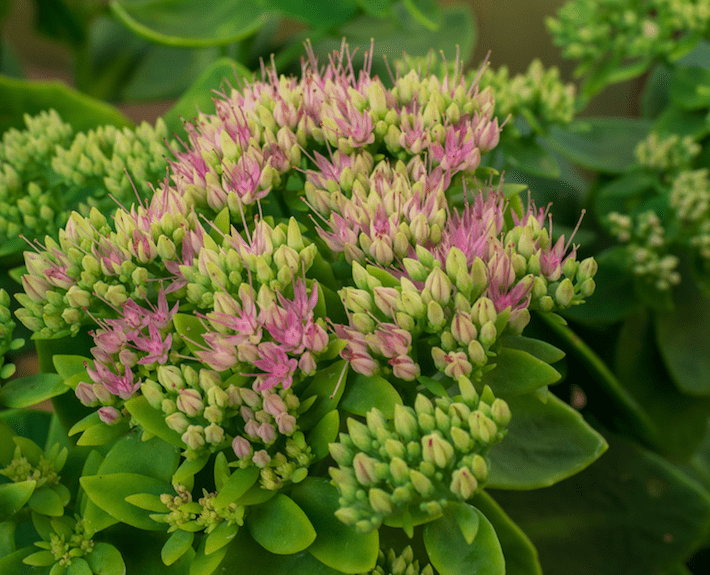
point(305, 347)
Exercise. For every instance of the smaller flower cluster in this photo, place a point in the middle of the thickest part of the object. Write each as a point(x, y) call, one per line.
point(670, 154)
point(538, 96)
point(71, 539)
point(7, 342)
point(427, 456)
point(47, 172)
point(618, 30)
point(183, 513)
point(690, 202)
point(31, 464)
point(402, 564)
point(647, 248)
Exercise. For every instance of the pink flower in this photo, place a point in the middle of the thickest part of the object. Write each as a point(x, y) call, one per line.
point(278, 367)
point(156, 347)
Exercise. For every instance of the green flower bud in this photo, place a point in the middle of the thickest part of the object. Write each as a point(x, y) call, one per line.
point(587, 269)
point(405, 422)
point(500, 412)
point(380, 501)
point(415, 269)
point(421, 483)
point(435, 316)
point(462, 440)
point(564, 293)
point(587, 288)
point(437, 450)
point(463, 483)
point(360, 434)
point(364, 467)
point(399, 470)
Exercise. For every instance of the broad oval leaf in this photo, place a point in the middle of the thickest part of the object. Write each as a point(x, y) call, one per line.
point(325, 432)
point(519, 552)
point(176, 546)
point(337, 545)
point(220, 536)
point(237, 485)
point(78, 566)
point(600, 144)
point(105, 559)
point(152, 420)
point(13, 496)
point(102, 433)
point(517, 372)
point(31, 389)
point(545, 443)
point(530, 157)
point(68, 365)
point(536, 347)
point(280, 526)
point(365, 392)
point(47, 502)
point(153, 458)
point(449, 553)
point(108, 492)
point(324, 387)
point(188, 24)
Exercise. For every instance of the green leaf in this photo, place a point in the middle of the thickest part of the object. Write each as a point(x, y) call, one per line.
point(319, 14)
point(13, 497)
point(449, 553)
point(600, 144)
point(108, 492)
point(530, 157)
point(468, 520)
point(220, 536)
point(362, 393)
point(39, 559)
point(204, 564)
point(13, 563)
point(682, 122)
point(140, 550)
point(411, 36)
point(152, 420)
point(191, 329)
point(55, 19)
point(690, 87)
point(518, 372)
point(432, 385)
point(280, 526)
point(255, 495)
point(20, 97)
point(187, 24)
point(46, 501)
point(153, 458)
point(632, 512)
point(537, 348)
point(323, 386)
point(84, 424)
point(519, 552)
point(105, 559)
point(426, 12)
point(551, 438)
point(78, 566)
point(189, 468)
point(199, 95)
point(103, 433)
point(176, 546)
point(253, 559)
point(237, 485)
point(684, 339)
point(31, 389)
point(148, 502)
point(377, 8)
point(7, 536)
point(69, 365)
point(337, 545)
point(679, 420)
point(324, 432)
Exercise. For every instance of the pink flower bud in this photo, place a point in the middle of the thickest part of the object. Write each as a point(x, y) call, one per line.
point(286, 423)
point(261, 458)
point(109, 415)
point(404, 368)
point(190, 402)
point(85, 394)
point(273, 404)
point(242, 448)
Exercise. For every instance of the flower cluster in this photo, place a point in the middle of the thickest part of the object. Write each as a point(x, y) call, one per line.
point(7, 343)
point(70, 541)
point(413, 465)
point(538, 96)
point(617, 30)
point(402, 564)
point(670, 154)
point(464, 292)
point(48, 171)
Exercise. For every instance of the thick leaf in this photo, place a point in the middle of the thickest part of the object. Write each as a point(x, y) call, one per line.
point(31, 389)
point(316, 13)
point(679, 421)
point(176, 546)
point(427, 12)
point(84, 424)
point(186, 24)
point(46, 501)
point(253, 559)
point(200, 95)
point(545, 443)
point(152, 420)
point(449, 553)
point(190, 329)
point(327, 392)
point(631, 512)
point(13, 497)
point(102, 433)
point(363, 393)
point(518, 372)
point(141, 552)
point(7, 537)
point(280, 526)
point(204, 564)
point(105, 559)
point(684, 339)
point(325, 432)
point(530, 157)
point(189, 468)
point(682, 122)
point(108, 492)
point(337, 545)
point(82, 112)
point(218, 538)
point(536, 347)
point(690, 87)
point(601, 144)
point(411, 36)
point(153, 458)
point(13, 563)
point(519, 552)
point(237, 485)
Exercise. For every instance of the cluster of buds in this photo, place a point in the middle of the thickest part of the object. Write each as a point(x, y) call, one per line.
point(428, 455)
point(7, 342)
point(670, 154)
point(618, 30)
point(647, 248)
point(30, 463)
point(182, 512)
point(538, 96)
point(478, 281)
point(402, 564)
point(47, 172)
point(71, 538)
point(690, 202)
